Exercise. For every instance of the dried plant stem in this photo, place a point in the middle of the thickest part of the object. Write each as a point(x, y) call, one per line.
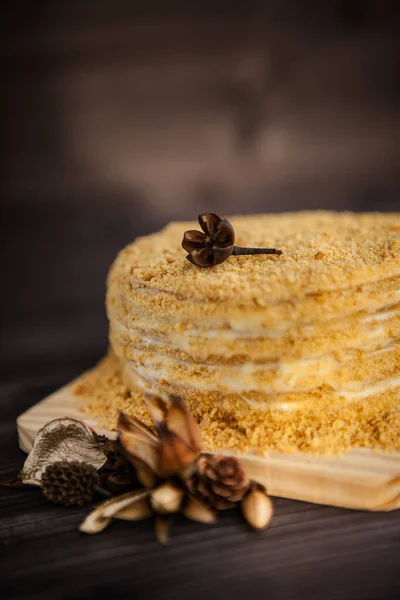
point(238, 251)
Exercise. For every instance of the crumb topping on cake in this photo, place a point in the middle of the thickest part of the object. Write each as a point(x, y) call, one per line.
point(321, 250)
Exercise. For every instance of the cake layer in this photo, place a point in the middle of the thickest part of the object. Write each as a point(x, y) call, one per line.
point(321, 427)
point(319, 323)
point(226, 346)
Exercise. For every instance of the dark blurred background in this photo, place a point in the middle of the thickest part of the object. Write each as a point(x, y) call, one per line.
point(120, 116)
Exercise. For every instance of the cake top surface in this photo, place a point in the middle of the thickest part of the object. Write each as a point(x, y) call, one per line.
point(321, 251)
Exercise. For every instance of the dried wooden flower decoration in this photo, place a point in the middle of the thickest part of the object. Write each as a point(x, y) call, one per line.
point(177, 476)
point(215, 243)
point(72, 465)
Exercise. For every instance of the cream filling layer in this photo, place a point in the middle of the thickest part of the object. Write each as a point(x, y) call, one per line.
point(248, 328)
point(149, 372)
point(372, 336)
point(250, 322)
point(140, 378)
point(244, 378)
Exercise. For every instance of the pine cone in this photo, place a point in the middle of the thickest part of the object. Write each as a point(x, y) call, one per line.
point(69, 483)
point(219, 481)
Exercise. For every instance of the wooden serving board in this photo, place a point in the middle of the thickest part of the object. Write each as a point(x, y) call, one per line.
point(361, 479)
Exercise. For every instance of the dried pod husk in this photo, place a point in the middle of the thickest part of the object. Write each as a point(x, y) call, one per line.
point(257, 507)
point(166, 498)
point(65, 439)
point(70, 483)
point(161, 529)
point(198, 511)
point(135, 512)
point(102, 516)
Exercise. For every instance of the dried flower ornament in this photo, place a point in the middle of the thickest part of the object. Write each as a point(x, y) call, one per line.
point(179, 477)
point(176, 476)
point(215, 243)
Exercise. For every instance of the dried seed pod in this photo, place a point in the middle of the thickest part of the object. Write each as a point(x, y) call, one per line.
point(197, 511)
point(161, 529)
point(166, 498)
point(69, 483)
point(257, 507)
point(66, 439)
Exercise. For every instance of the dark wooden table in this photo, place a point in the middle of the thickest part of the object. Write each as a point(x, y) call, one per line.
point(53, 327)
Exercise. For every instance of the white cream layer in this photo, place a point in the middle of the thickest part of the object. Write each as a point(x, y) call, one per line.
point(140, 378)
point(244, 378)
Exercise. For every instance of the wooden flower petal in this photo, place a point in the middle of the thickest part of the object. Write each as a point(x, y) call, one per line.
point(193, 240)
point(198, 511)
point(158, 409)
point(209, 223)
point(161, 529)
point(225, 234)
point(181, 422)
point(101, 517)
point(135, 512)
point(220, 255)
point(202, 258)
point(138, 442)
point(175, 456)
point(257, 507)
point(146, 477)
point(166, 498)
point(136, 427)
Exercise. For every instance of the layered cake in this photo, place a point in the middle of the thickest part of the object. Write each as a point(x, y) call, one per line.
point(299, 351)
